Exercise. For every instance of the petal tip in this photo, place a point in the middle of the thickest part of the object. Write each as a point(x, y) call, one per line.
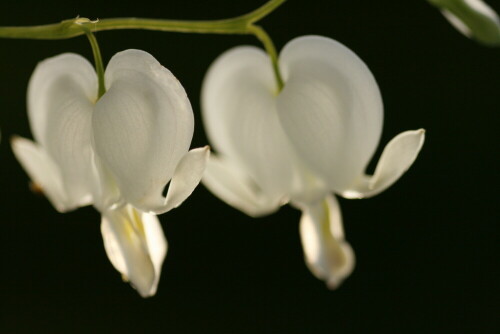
point(206, 149)
point(16, 140)
point(187, 176)
point(13, 138)
point(420, 133)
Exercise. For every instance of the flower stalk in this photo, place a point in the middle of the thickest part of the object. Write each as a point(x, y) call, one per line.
point(96, 51)
point(244, 24)
point(262, 35)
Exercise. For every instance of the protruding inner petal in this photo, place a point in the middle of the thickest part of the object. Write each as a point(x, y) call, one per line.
point(327, 254)
point(228, 181)
point(45, 173)
point(61, 94)
point(239, 112)
point(397, 157)
point(136, 246)
point(330, 108)
point(186, 177)
point(142, 126)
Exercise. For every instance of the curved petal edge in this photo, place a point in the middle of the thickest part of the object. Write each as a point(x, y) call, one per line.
point(44, 173)
point(187, 176)
point(232, 185)
point(135, 245)
point(397, 157)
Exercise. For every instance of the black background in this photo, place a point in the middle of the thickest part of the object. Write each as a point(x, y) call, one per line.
point(426, 248)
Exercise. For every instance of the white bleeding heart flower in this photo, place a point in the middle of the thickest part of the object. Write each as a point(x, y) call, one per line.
point(116, 153)
point(314, 138)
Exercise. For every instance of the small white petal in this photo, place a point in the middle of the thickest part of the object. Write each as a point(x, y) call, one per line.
point(186, 177)
point(457, 23)
point(229, 182)
point(143, 126)
point(136, 246)
point(327, 254)
point(398, 155)
point(330, 108)
point(44, 173)
point(473, 18)
point(113, 248)
point(157, 245)
point(239, 113)
point(61, 94)
point(481, 7)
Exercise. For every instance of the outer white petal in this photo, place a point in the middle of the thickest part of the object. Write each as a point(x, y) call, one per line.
point(136, 246)
point(186, 177)
point(327, 254)
point(239, 113)
point(66, 78)
point(397, 157)
point(229, 182)
point(61, 94)
point(43, 172)
point(330, 108)
point(143, 127)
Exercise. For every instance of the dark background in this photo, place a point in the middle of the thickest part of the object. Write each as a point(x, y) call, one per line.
point(427, 248)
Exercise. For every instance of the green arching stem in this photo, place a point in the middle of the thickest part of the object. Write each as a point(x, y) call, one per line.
point(99, 67)
point(261, 12)
point(261, 34)
point(69, 28)
point(243, 24)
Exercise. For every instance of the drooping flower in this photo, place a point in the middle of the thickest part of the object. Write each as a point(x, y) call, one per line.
point(473, 18)
point(302, 144)
point(117, 153)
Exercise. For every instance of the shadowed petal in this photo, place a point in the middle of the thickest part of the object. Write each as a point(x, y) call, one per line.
point(239, 113)
point(45, 173)
point(397, 157)
point(229, 182)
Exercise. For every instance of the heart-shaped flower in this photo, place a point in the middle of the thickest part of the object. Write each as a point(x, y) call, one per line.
point(313, 138)
point(116, 153)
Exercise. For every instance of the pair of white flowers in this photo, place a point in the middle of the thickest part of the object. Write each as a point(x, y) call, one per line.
point(298, 146)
